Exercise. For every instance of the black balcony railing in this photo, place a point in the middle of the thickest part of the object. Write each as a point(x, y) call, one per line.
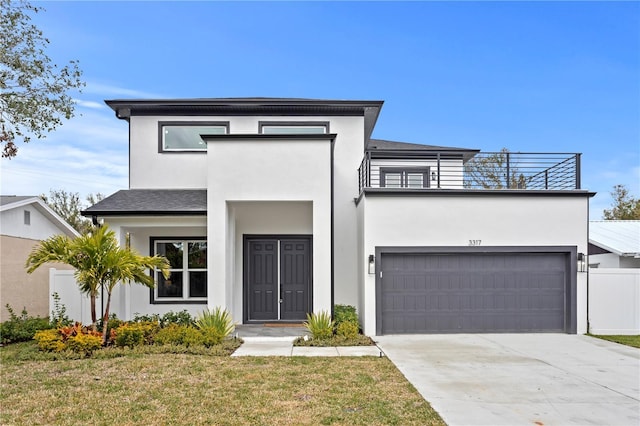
point(485, 170)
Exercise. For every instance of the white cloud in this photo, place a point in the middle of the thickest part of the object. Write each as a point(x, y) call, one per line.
point(42, 167)
point(108, 90)
point(89, 104)
point(87, 154)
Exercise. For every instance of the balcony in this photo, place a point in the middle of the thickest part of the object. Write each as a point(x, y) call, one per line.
point(453, 170)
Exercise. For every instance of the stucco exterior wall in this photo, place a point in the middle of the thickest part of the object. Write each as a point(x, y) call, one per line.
point(262, 218)
point(265, 171)
point(129, 300)
point(151, 169)
point(254, 171)
point(518, 220)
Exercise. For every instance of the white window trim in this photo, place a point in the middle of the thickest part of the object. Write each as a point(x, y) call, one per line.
point(185, 271)
point(404, 179)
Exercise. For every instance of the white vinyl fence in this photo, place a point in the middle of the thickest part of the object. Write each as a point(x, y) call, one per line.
point(76, 303)
point(614, 301)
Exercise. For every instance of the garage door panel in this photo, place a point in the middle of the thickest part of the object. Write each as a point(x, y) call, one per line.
point(445, 293)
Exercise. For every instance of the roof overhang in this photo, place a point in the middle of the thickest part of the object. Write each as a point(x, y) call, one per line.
point(380, 148)
point(151, 202)
point(370, 110)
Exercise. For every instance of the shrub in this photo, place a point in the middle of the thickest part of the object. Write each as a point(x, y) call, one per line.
point(215, 325)
point(346, 321)
point(21, 328)
point(76, 338)
point(113, 323)
point(150, 329)
point(192, 337)
point(70, 331)
point(320, 325)
point(49, 340)
point(211, 337)
point(59, 316)
point(84, 343)
point(344, 313)
point(129, 335)
point(146, 318)
point(348, 329)
point(170, 335)
point(180, 318)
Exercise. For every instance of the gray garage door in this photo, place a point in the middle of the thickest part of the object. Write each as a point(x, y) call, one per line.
point(472, 293)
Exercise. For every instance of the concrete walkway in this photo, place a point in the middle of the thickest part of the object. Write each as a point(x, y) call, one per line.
point(283, 346)
point(521, 379)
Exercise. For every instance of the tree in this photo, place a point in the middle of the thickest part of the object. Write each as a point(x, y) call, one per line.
point(624, 207)
point(100, 263)
point(34, 92)
point(68, 206)
point(490, 172)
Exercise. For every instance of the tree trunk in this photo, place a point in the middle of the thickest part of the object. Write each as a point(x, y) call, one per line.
point(94, 318)
point(105, 320)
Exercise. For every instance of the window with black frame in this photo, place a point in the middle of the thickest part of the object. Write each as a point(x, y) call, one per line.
point(188, 279)
point(183, 136)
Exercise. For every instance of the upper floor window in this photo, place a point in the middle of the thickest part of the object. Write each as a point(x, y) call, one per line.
point(293, 127)
point(396, 177)
point(185, 136)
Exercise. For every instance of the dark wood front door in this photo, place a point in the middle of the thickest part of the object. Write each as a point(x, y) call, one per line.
point(277, 278)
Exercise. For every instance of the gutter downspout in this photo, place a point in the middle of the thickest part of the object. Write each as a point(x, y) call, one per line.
point(332, 229)
point(588, 322)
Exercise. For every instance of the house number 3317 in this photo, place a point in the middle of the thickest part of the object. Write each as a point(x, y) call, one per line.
point(475, 242)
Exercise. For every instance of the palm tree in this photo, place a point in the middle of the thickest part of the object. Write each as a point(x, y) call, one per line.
point(99, 262)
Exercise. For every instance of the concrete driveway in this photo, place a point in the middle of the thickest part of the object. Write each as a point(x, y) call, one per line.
point(521, 379)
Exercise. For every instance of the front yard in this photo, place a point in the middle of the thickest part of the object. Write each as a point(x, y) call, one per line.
point(167, 388)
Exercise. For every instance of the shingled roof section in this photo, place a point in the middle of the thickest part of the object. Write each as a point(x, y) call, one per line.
point(9, 199)
point(381, 148)
point(382, 144)
point(155, 202)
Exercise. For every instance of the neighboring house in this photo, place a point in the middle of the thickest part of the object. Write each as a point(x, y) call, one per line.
point(274, 208)
point(614, 244)
point(24, 222)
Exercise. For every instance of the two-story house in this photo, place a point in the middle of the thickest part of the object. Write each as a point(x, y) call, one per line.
point(273, 208)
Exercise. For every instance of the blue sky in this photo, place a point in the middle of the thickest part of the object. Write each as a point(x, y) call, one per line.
point(532, 77)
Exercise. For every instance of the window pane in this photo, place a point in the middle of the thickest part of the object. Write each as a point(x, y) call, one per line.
point(173, 252)
point(198, 255)
point(188, 137)
point(198, 284)
point(393, 180)
point(285, 130)
point(414, 180)
point(171, 287)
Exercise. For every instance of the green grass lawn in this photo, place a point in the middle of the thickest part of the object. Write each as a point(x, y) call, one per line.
point(633, 341)
point(173, 388)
